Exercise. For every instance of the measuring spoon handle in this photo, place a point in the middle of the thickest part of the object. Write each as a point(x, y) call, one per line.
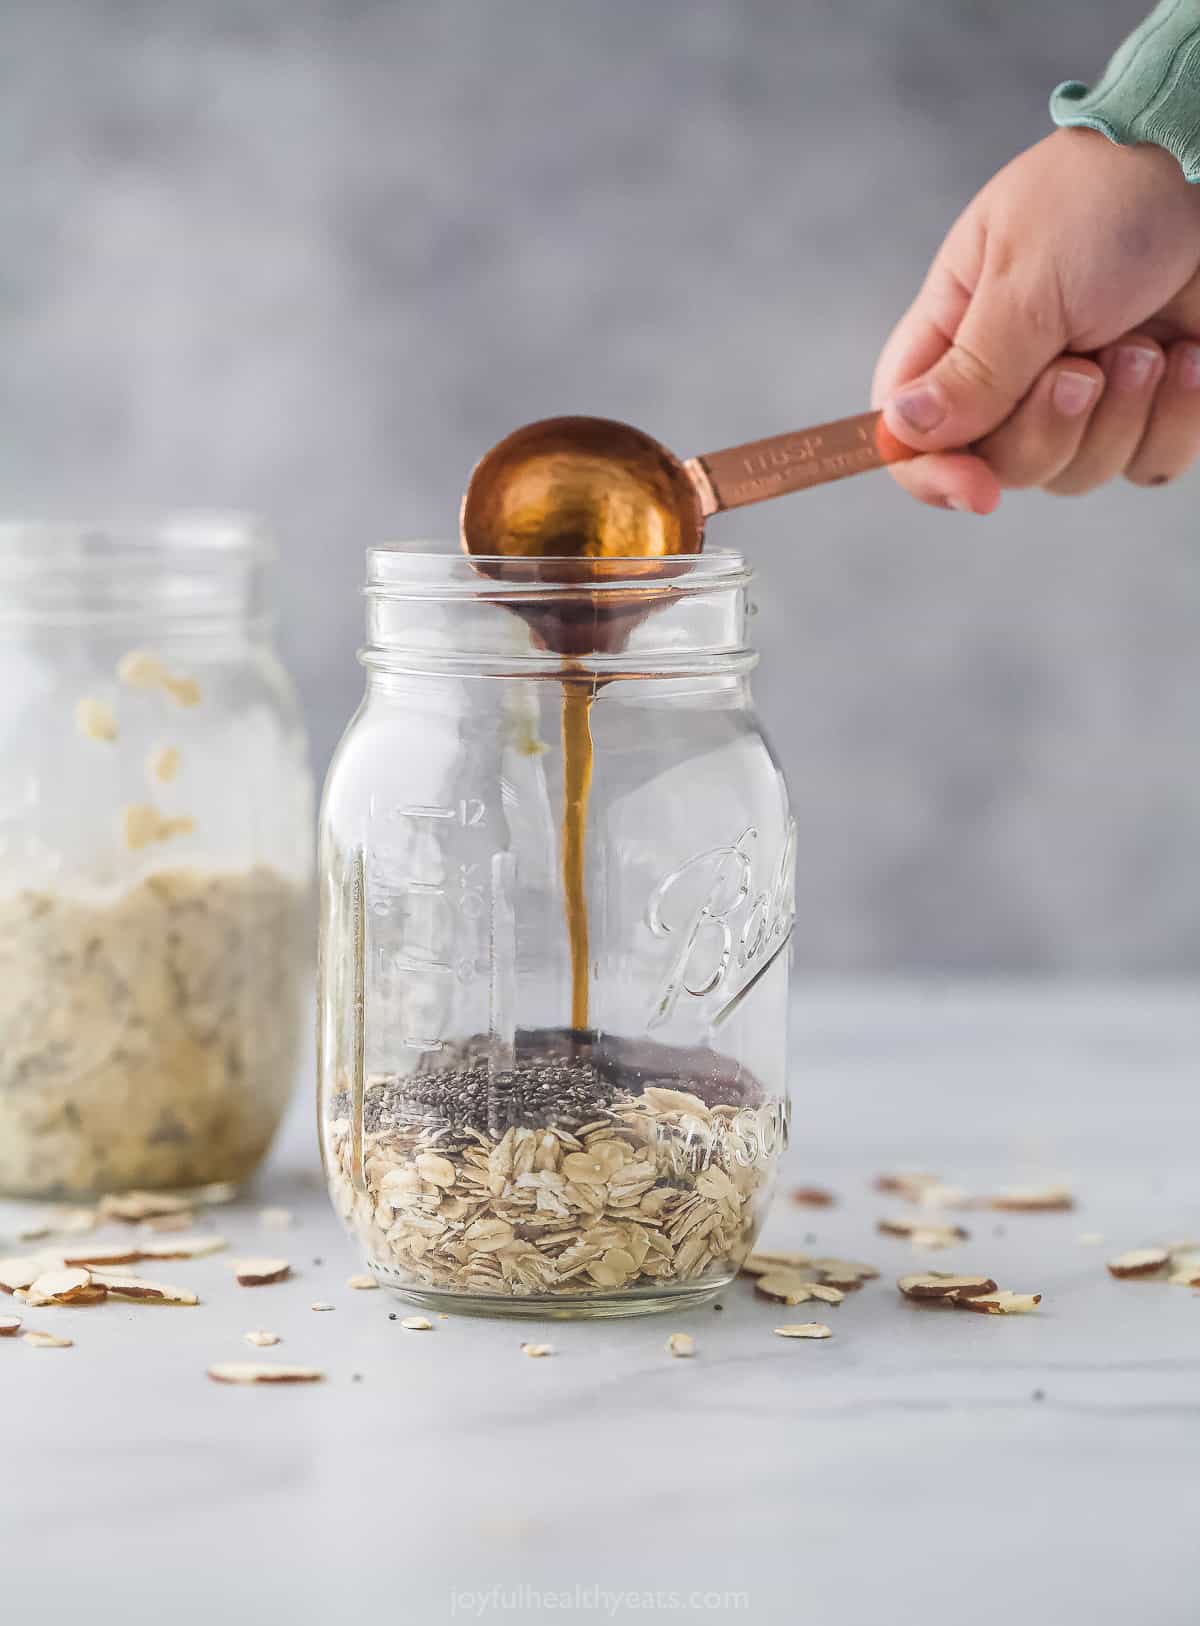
point(783, 463)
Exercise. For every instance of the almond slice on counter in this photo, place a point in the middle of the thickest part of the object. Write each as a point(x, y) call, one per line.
point(10, 1325)
point(1000, 1303)
point(59, 1222)
point(767, 1264)
point(1139, 1262)
point(813, 1197)
point(183, 1221)
point(263, 1339)
point(260, 1372)
point(923, 1235)
point(64, 1287)
point(363, 1283)
point(804, 1329)
point(1185, 1278)
point(184, 1247)
point(101, 1254)
point(20, 1271)
point(417, 1323)
point(940, 1284)
point(134, 1206)
point(848, 1274)
point(784, 1287)
point(46, 1340)
point(682, 1345)
point(1033, 1200)
point(261, 1272)
point(136, 1289)
point(322, 1304)
point(826, 1292)
point(537, 1352)
point(906, 1185)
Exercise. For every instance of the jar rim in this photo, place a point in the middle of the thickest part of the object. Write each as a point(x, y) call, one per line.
point(72, 543)
point(439, 570)
point(187, 566)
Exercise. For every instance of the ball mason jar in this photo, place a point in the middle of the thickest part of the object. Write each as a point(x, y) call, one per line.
point(556, 884)
point(155, 859)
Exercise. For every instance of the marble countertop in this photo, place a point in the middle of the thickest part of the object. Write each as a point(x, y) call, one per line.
point(918, 1465)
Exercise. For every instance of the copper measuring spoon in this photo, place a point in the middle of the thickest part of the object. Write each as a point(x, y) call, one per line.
point(597, 489)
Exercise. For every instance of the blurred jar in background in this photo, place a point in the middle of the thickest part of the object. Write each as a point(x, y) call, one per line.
point(155, 858)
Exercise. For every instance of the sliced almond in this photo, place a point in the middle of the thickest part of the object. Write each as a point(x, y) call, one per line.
point(261, 1272)
point(813, 1197)
point(321, 1304)
point(362, 1284)
point(46, 1340)
point(784, 1287)
point(260, 1372)
point(848, 1274)
point(906, 1185)
point(1002, 1303)
point(136, 1289)
point(681, 1345)
point(64, 1287)
point(185, 1247)
point(214, 1195)
point(262, 1339)
point(10, 1325)
point(135, 1206)
point(184, 691)
point(537, 1352)
point(923, 1235)
point(826, 1293)
point(417, 1323)
point(1034, 1200)
point(101, 1254)
point(95, 719)
point(140, 670)
point(940, 1284)
point(804, 1329)
point(1139, 1262)
point(169, 1223)
point(164, 763)
point(767, 1264)
point(1185, 1278)
point(19, 1271)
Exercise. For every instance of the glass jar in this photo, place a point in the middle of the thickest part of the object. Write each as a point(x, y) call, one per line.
point(556, 897)
point(155, 859)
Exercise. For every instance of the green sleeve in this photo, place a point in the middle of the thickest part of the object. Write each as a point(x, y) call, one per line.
point(1150, 91)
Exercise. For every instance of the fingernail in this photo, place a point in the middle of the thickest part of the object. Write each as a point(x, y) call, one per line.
point(957, 504)
point(1189, 366)
point(1073, 393)
point(1132, 366)
point(922, 407)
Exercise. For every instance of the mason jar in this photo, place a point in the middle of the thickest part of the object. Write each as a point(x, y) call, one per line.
point(155, 859)
point(556, 884)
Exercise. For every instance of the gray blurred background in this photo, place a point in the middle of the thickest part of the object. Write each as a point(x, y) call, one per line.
point(311, 257)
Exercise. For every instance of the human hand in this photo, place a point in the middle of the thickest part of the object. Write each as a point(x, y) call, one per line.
point(1057, 334)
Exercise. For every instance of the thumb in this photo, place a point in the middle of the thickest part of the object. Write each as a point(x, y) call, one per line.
point(1005, 337)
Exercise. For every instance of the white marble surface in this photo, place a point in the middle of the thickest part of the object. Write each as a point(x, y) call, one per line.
point(900, 1471)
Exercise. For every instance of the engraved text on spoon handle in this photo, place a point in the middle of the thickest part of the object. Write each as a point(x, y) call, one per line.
point(783, 463)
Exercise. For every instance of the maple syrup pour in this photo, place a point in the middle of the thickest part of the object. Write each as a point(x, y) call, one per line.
point(578, 694)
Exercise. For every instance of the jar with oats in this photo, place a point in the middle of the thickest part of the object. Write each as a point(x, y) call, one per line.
point(556, 885)
point(155, 858)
